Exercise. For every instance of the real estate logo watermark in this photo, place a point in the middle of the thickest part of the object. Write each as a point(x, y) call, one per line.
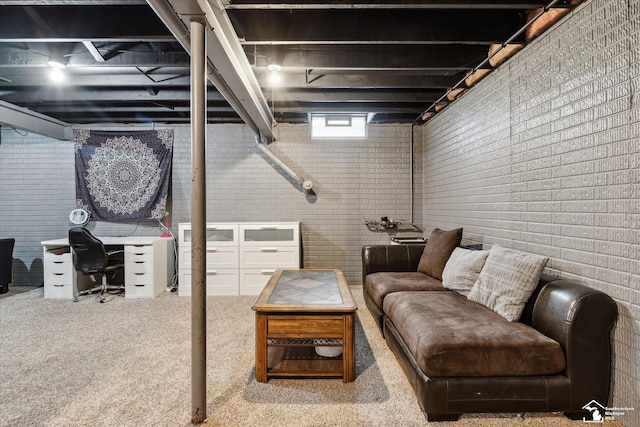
point(600, 413)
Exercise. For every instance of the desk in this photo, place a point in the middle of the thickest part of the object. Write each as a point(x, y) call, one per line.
point(148, 266)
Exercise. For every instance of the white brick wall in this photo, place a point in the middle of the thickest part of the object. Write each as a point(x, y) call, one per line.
point(37, 192)
point(543, 156)
point(352, 180)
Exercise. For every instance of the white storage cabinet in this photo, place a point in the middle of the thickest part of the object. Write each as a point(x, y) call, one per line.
point(240, 256)
point(222, 259)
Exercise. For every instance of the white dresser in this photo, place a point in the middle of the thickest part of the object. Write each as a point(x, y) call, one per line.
point(148, 266)
point(241, 257)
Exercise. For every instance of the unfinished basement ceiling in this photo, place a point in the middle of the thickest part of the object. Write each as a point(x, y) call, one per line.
point(390, 59)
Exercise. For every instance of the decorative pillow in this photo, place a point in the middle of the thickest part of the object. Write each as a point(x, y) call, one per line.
point(437, 251)
point(462, 270)
point(507, 280)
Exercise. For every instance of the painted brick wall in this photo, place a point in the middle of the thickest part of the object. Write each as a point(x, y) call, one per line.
point(352, 180)
point(37, 192)
point(543, 156)
point(33, 196)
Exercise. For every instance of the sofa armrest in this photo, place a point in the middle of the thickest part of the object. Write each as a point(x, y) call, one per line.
point(380, 258)
point(580, 319)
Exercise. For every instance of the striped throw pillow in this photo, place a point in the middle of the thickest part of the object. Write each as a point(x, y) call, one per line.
point(507, 280)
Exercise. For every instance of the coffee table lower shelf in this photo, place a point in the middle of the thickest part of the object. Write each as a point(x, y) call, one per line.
point(301, 361)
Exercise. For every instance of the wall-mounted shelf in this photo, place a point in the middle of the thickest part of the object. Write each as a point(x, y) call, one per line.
point(391, 226)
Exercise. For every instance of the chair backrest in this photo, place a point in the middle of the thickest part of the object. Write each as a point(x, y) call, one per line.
point(89, 254)
point(6, 260)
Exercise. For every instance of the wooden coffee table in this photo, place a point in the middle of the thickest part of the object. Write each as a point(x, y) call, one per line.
point(297, 311)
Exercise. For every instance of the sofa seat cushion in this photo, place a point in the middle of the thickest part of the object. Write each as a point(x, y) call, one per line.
point(448, 335)
point(378, 285)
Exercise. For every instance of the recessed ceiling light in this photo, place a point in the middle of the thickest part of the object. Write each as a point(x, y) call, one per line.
point(274, 76)
point(56, 74)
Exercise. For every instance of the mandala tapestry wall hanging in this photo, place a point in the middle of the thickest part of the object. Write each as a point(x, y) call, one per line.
point(123, 175)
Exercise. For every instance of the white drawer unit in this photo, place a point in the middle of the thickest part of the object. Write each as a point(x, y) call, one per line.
point(221, 254)
point(58, 273)
point(261, 234)
point(217, 257)
point(217, 234)
point(268, 256)
point(144, 273)
point(138, 271)
point(253, 250)
point(253, 280)
point(223, 281)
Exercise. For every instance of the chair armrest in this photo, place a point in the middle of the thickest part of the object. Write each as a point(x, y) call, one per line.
point(580, 319)
point(117, 251)
point(379, 258)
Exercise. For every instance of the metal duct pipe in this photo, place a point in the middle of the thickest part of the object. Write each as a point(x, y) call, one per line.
point(170, 18)
point(306, 184)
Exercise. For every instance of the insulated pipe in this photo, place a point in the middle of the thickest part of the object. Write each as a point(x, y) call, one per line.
point(306, 185)
point(198, 224)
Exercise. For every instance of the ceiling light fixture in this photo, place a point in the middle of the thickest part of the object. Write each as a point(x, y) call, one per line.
point(274, 77)
point(57, 61)
point(56, 74)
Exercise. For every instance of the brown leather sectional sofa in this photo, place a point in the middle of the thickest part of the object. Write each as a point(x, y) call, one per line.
point(460, 357)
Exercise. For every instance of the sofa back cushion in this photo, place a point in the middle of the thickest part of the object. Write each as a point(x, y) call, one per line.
point(462, 269)
point(507, 280)
point(437, 250)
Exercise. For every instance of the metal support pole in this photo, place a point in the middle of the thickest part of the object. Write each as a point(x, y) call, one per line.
point(198, 223)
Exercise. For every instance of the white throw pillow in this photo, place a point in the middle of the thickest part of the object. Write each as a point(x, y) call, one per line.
point(462, 269)
point(507, 280)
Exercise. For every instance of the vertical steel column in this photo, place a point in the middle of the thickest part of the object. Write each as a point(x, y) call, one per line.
point(198, 224)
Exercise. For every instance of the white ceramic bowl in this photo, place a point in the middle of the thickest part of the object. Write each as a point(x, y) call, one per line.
point(328, 351)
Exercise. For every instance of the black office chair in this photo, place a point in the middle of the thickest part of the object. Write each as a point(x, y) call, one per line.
point(90, 258)
point(6, 264)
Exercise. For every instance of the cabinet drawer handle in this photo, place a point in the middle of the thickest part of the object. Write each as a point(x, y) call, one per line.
point(267, 271)
point(58, 262)
point(58, 274)
point(58, 286)
point(212, 271)
point(141, 286)
point(212, 249)
point(139, 262)
point(139, 274)
point(268, 249)
point(269, 227)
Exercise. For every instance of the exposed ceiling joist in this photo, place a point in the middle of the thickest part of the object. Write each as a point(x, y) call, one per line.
point(378, 57)
point(22, 118)
point(389, 4)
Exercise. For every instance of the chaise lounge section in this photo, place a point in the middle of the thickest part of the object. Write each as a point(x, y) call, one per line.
point(462, 357)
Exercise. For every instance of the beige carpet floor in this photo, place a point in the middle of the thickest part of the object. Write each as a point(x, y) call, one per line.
point(127, 363)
